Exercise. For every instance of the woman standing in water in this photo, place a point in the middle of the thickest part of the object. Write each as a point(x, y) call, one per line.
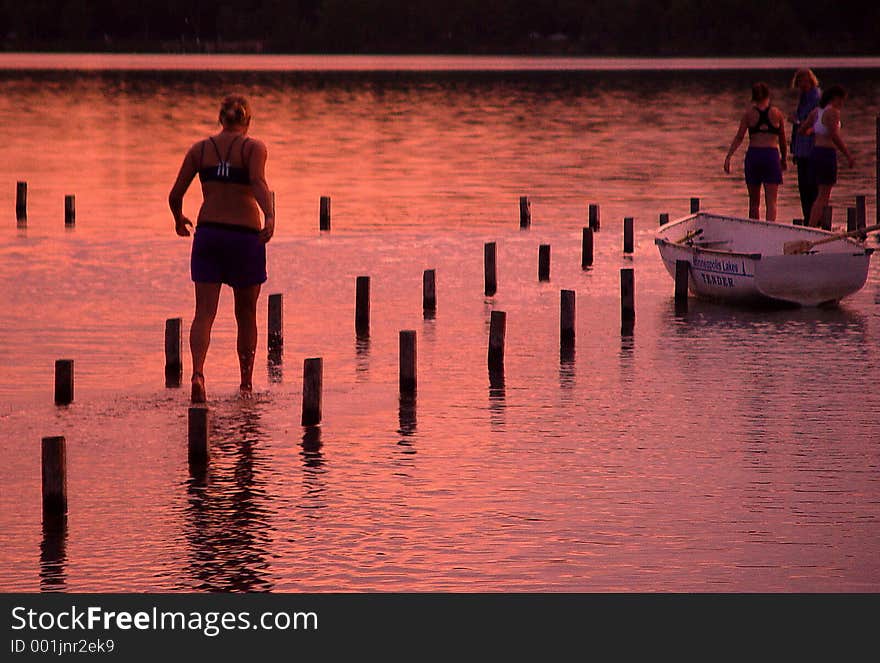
point(823, 123)
point(764, 163)
point(230, 241)
point(802, 145)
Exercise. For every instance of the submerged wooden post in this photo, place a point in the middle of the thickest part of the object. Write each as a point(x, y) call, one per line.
point(587, 248)
point(695, 205)
point(69, 210)
point(664, 218)
point(628, 234)
point(851, 221)
point(497, 331)
point(797, 222)
point(313, 376)
point(325, 213)
point(63, 381)
point(275, 326)
point(429, 290)
point(627, 300)
point(682, 273)
point(21, 200)
point(173, 357)
point(861, 212)
point(199, 431)
point(827, 215)
point(362, 306)
point(544, 262)
point(566, 319)
point(525, 212)
point(489, 268)
point(407, 362)
point(594, 217)
point(54, 476)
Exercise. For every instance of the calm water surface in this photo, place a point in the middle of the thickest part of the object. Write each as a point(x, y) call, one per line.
point(729, 450)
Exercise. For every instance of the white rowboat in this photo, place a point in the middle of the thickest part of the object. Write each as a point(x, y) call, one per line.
point(741, 260)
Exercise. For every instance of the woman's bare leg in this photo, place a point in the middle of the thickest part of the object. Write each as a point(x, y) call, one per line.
point(754, 200)
point(246, 317)
point(819, 205)
point(207, 296)
point(771, 192)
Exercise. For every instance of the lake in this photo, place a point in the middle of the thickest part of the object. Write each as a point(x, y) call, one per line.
point(725, 450)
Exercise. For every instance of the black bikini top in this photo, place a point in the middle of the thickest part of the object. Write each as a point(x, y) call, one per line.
point(763, 125)
point(223, 172)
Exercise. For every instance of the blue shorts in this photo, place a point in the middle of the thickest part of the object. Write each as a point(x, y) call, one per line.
point(823, 161)
point(223, 253)
point(763, 166)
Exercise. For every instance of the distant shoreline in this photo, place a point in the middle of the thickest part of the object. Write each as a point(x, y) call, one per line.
point(31, 61)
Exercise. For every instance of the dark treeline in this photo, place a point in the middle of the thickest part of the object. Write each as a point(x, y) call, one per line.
point(597, 27)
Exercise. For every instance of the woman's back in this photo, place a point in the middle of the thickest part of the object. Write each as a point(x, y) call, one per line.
point(224, 163)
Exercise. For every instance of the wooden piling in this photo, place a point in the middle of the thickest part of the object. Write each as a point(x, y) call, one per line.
point(566, 319)
point(497, 331)
point(21, 201)
point(199, 432)
point(797, 222)
point(69, 210)
point(275, 323)
point(827, 215)
point(627, 300)
point(429, 290)
point(850, 219)
point(587, 248)
point(362, 306)
point(525, 212)
point(861, 212)
point(664, 219)
point(544, 262)
point(628, 234)
point(594, 217)
point(325, 213)
point(682, 273)
point(695, 205)
point(63, 381)
point(313, 375)
point(173, 355)
point(54, 476)
point(489, 266)
point(407, 362)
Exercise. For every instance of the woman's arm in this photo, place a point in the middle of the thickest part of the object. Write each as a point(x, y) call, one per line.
point(737, 140)
point(257, 170)
point(832, 121)
point(806, 127)
point(783, 147)
point(188, 170)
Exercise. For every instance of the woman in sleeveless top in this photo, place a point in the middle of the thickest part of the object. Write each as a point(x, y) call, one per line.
point(764, 164)
point(823, 124)
point(230, 240)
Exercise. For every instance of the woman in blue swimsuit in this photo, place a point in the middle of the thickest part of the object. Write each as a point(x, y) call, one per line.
point(230, 238)
point(765, 158)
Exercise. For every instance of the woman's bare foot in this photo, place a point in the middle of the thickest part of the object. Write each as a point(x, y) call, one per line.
point(246, 391)
point(198, 388)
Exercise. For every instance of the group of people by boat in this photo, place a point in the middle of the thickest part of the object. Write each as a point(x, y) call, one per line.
point(815, 139)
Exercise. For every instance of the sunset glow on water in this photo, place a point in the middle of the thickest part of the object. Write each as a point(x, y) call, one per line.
point(730, 450)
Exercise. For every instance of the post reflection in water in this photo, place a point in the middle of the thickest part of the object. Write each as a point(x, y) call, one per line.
point(226, 516)
point(406, 416)
point(275, 366)
point(362, 357)
point(313, 471)
point(53, 554)
point(497, 399)
point(567, 368)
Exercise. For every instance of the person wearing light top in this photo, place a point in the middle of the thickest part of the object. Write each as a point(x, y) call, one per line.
point(766, 157)
point(823, 123)
point(802, 145)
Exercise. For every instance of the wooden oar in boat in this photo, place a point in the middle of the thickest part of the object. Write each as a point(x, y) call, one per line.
point(690, 235)
point(804, 245)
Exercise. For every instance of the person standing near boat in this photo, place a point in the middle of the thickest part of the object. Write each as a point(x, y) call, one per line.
point(766, 157)
point(823, 123)
point(806, 82)
point(230, 241)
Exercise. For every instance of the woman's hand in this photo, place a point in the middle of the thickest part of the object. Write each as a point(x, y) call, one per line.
point(180, 226)
point(268, 229)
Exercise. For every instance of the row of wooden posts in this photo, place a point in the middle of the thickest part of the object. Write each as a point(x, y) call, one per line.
point(21, 205)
